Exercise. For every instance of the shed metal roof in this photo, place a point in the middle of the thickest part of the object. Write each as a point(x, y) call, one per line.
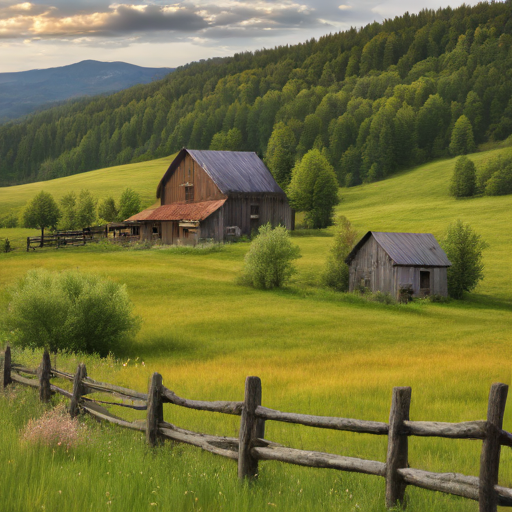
point(409, 249)
point(180, 211)
point(231, 171)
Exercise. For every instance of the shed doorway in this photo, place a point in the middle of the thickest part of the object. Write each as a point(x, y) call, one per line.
point(425, 281)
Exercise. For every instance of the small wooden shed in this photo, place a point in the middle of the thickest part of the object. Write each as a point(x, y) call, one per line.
point(391, 262)
point(213, 195)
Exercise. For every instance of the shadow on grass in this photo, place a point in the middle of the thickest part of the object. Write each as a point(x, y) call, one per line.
point(161, 346)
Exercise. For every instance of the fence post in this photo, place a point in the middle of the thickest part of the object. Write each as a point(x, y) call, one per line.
point(397, 446)
point(155, 411)
point(78, 389)
point(490, 456)
point(7, 366)
point(44, 378)
point(250, 428)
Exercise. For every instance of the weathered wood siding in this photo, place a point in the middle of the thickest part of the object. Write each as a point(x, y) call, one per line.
point(271, 208)
point(189, 171)
point(213, 226)
point(374, 269)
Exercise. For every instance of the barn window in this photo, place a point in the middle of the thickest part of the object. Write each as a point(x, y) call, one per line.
point(424, 279)
point(189, 194)
point(255, 211)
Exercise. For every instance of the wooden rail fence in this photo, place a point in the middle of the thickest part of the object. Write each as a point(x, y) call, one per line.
point(251, 446)
point(65, 238)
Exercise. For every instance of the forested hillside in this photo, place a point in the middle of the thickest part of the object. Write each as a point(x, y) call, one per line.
point(373, 100)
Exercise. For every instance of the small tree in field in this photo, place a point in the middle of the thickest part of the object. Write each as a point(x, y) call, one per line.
point(268, 264)
point(71, 312)
point(337, 272)
point(107, 210)
point(464, 249)
point(129, 204)
point(314, 189)
point(463, 182)
point(42, 212)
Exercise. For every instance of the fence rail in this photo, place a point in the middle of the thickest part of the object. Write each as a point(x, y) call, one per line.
point(251, 446)
point(63, 238)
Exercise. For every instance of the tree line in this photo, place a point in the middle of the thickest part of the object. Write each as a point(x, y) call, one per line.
point(75, 211)
point(372, 101)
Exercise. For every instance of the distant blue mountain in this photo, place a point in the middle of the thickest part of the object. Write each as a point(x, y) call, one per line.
point(23, 92)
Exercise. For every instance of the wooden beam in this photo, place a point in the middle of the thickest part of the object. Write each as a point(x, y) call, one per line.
point(7, 366)
point(155, 411)
point(450, 483)
point(317, 459)
point(464, 430)
point(218, 445)
point(351, 425)
point(108, 388)
point(249, 426)
point(397, 446)
point(113, 419)
point(23, 380)
point(224, 407)
point(491, 447)
point(44, 378)
point(78, 389)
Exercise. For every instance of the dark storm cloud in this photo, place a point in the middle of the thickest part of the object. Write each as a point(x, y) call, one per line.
point(153, 18)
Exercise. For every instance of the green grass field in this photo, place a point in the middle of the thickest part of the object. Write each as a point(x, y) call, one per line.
point(316, 352)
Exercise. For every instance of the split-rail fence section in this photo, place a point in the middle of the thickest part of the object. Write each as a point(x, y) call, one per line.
point(251, 446)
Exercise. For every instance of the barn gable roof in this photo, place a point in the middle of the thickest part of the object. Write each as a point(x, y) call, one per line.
point(409, 249)
point(231, 171)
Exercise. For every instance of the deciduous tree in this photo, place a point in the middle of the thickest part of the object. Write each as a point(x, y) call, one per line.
point(42, 212)
point(314, 189)
point(464, 249)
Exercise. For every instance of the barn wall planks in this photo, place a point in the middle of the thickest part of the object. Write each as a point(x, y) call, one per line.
point(189, 171)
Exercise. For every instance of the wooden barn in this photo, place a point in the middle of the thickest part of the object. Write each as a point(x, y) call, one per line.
point(391, 262)
point(214, 195)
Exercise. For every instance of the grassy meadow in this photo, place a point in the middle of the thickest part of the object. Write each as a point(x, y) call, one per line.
point(316, 351)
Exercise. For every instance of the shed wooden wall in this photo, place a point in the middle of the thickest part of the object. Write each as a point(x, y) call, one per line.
point(374, 269)
point(204, 188)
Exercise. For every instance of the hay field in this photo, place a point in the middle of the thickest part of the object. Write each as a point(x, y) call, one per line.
point(316, 352)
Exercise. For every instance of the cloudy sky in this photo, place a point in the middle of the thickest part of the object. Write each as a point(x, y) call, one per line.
point(158, 33)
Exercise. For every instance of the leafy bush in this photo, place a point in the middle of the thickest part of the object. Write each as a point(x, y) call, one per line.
point(464, 249)
point(9, 221)
point(5, 246)
point(70, 311)
point(268, 264)
point(463, 182)
point(337, 272)
point(495, 177)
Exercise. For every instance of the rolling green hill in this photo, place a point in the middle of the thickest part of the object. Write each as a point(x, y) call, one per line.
point(316, 351)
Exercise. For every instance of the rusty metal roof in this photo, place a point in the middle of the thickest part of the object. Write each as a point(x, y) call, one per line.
point(143, 215)
point(409, 249)
point(231, 171)
point(183, 211)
